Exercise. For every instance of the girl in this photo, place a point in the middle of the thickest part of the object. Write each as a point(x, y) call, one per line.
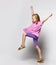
point(33, 31)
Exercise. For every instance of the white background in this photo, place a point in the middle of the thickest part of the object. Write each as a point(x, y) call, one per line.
point(16, 15)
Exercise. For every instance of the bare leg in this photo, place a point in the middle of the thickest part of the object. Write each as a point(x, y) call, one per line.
point(39, 52)
point(23, 41)
point(23, 38)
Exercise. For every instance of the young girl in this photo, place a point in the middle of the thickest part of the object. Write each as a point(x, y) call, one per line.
point(33, 31)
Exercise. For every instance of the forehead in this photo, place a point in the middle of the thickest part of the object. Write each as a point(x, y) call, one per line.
point(34, 16)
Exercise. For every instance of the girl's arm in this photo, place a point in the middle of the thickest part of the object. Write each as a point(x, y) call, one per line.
point(47, 18)
point(32, 11)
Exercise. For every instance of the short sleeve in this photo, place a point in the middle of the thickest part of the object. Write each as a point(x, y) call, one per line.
point(41, 23)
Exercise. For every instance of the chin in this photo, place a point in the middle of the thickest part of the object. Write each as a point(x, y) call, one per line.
point(33, 21)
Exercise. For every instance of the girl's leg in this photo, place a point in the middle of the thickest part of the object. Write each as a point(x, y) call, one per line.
point(23, 41)
point(40, 54)
point(23, 38)
point(38, 49)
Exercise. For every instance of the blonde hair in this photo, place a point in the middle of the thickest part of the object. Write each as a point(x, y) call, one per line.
point(37, 17)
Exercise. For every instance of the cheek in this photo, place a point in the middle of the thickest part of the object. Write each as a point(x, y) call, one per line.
point(34, 18)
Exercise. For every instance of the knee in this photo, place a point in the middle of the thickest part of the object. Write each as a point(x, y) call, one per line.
point(37, 47)
point(24, 33)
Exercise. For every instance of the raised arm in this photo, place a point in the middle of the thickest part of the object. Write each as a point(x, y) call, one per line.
point(32, 11)
point(47, 18)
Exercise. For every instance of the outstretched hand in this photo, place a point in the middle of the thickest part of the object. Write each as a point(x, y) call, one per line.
point(31, 7)
point(50, 15)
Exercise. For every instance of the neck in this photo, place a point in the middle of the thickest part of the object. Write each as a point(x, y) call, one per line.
point(36, 22)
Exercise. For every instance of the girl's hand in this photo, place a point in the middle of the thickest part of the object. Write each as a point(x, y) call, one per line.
point(31, 7)
point(50, 15)
point(32, 11)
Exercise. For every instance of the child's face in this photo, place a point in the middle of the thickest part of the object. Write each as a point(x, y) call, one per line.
point(34, 19)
